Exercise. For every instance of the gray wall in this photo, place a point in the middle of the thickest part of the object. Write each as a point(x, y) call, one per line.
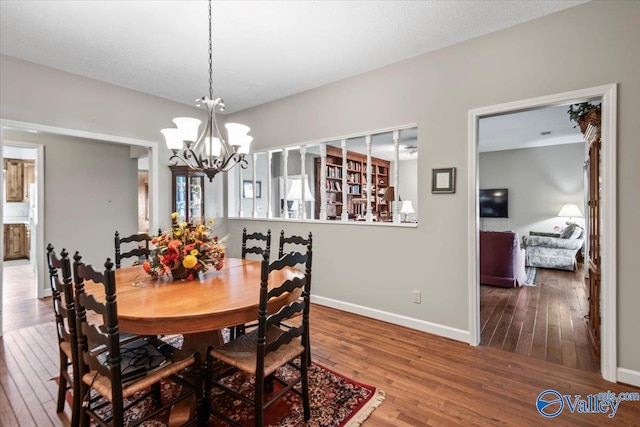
point(35, 94)
point(90, 192)
point(540, 181)
point(362, 264)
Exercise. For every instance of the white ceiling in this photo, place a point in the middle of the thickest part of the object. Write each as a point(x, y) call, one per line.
point(263, 50)
point(524, 129)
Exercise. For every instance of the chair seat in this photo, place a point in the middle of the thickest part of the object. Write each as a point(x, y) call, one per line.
point(65, 346)
point(102, 384)
point(242, 352)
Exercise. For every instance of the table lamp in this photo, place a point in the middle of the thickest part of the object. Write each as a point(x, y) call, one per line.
point(570, 210)
point(407, 208)
point(389, 197)
point(295, 193)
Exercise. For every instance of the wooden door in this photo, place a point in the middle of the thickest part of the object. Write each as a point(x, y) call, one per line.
point(593, 322)
point(14, 178)
point(29, 177)
point(15, 241)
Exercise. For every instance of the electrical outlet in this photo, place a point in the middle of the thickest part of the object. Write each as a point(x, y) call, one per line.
point(417, 297)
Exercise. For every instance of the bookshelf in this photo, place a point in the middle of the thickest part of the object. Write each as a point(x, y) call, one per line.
point(356, 184)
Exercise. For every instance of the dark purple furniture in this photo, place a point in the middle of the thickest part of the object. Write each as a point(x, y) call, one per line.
point(501, 259)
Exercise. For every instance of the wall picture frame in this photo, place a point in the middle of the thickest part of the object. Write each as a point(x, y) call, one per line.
point(443, 181)
point(248, 190)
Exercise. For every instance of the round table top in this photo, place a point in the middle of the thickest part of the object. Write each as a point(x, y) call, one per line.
point(223, 298)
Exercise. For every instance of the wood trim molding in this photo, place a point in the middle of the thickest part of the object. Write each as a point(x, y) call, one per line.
point(608, 93)
point(629, 376)
point(396, 319)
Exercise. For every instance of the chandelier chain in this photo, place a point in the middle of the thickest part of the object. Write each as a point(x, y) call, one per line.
point(210, 57)
point(209, 151)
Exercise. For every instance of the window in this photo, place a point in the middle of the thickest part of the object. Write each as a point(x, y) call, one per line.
point(362, 178)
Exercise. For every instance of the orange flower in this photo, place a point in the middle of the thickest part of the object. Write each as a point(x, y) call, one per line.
point(146, 266)
point(174, 244)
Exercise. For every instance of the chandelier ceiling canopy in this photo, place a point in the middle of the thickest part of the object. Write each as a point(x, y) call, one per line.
point(208, 151)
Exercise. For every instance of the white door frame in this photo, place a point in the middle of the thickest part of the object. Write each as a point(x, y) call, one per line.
point(608, 93)
point(41, 268)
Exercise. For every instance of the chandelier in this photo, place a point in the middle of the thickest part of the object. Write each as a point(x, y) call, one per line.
point(208, 151)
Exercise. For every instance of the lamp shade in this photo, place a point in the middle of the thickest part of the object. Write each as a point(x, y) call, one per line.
point(188, 128)
point(570, 210)
point(172, 138)
point(295, 192)
point(407, 207)
point(389, 194)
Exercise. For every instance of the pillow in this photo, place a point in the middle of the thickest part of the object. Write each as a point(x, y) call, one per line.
point(577, 233)
point(573, 231)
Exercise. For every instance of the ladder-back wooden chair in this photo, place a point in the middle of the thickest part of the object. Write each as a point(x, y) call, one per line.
point(141, 250)
point(254, 248)
point(262, 351)
point(296, 242)
point(106, 372)
point(61, 283)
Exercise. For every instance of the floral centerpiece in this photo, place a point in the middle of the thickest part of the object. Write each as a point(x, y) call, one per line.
point(186, 250)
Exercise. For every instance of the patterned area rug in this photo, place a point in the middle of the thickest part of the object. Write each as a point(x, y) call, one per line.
point(531, 276)
point(335, 401)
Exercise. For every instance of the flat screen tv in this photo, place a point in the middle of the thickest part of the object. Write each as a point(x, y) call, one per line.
point(494, 203)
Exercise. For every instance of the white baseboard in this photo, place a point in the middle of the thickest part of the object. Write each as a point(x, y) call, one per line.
point(629, 376)
point(396, 319)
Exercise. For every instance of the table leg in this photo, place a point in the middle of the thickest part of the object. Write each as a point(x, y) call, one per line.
point(192, 343)
point(200, 341)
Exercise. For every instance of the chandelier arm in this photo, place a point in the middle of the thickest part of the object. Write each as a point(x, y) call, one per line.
point(188, 157)
point(229, 151)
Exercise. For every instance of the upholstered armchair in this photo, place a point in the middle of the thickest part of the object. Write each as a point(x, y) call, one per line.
point(553, 252)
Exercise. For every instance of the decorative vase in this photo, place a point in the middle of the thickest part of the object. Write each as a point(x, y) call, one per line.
point(180, 273)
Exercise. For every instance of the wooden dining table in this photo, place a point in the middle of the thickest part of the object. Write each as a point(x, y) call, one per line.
point(198, 308)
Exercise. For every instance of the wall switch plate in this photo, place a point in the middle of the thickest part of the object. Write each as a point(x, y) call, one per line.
point(417, 297)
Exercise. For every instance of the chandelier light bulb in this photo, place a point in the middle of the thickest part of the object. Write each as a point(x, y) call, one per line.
point(212, 146)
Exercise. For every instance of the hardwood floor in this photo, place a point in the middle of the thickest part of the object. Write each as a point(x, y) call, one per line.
point(545, 321)
point(20, 306)
point(428, 380)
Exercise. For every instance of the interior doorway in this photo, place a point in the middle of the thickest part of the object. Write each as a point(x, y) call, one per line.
point(31, 131)
point(533, 293)
point(607, 220)
point(21, 162)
